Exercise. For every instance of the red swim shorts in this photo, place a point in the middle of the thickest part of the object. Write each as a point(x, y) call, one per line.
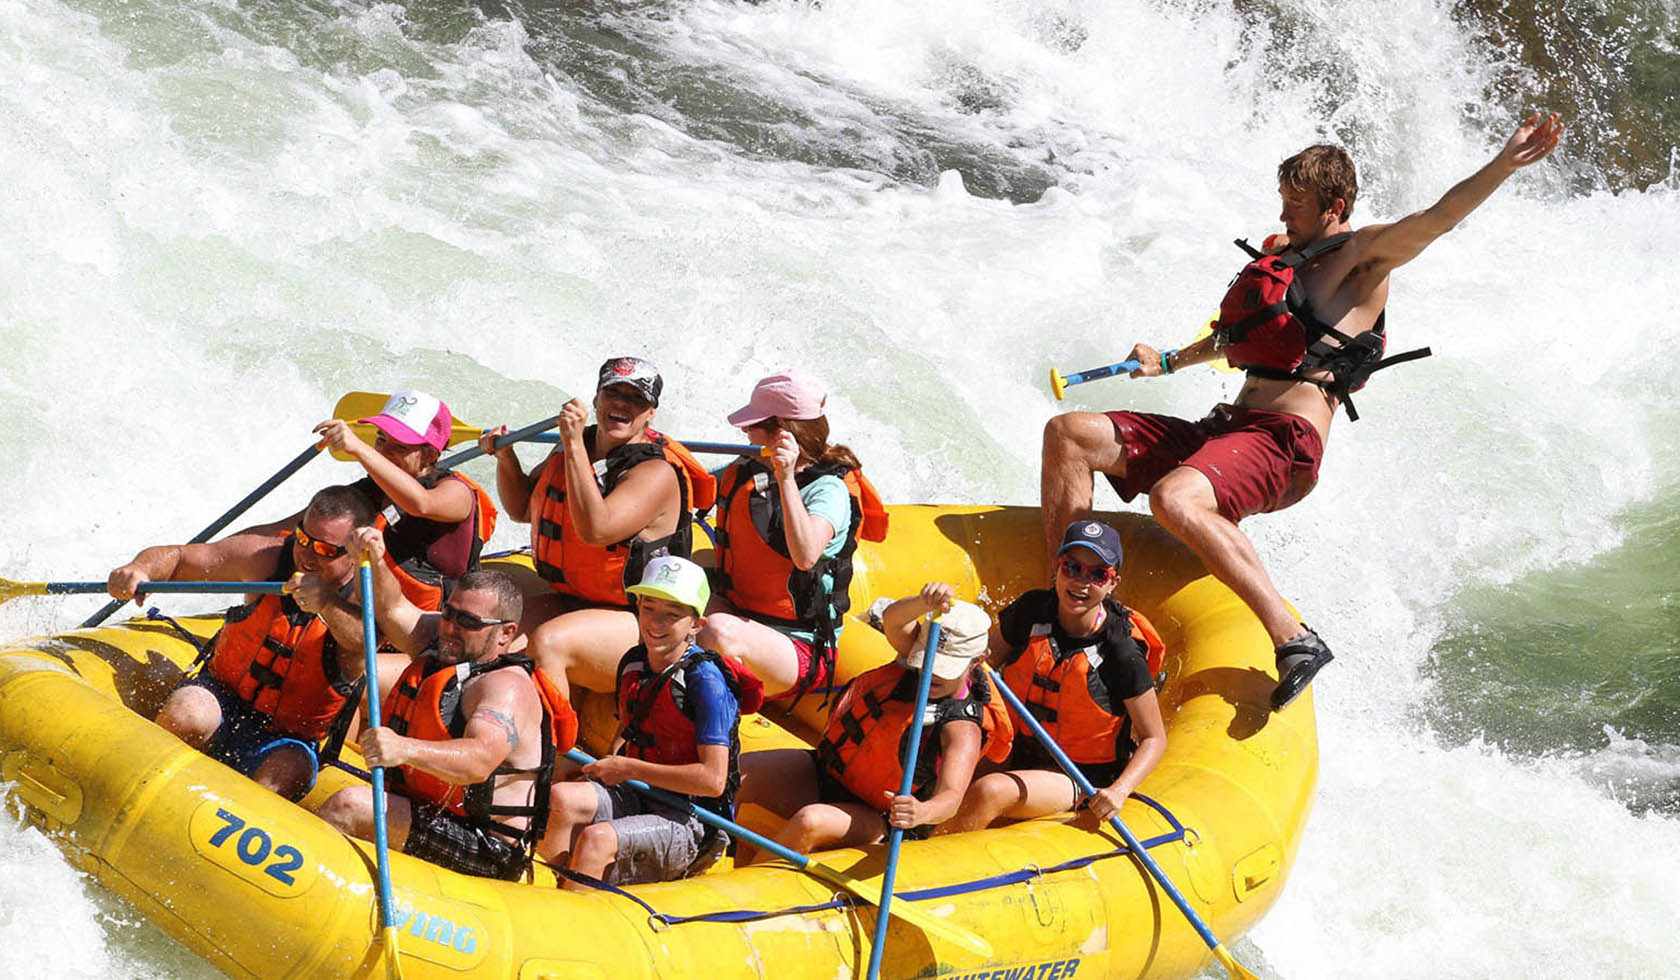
point(1257, 461)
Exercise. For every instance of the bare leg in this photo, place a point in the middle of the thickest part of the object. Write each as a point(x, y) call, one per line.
point(192, 714)
point(1015, 795)
point(1183, 502)
point(351, 810)
point(768, 652)
point(285, 771)
point(584, 647)
point(779, 780)
point(1077, 446)
point(572, 806)
point(819, 826)
point(597, 848)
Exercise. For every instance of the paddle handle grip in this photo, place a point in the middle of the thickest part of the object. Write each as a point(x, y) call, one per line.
point(704, 815)
point(1097, 374)
point(714, 448)
point(215, 526)
point(1085, 787)
point(529, 432)
point(158, 588)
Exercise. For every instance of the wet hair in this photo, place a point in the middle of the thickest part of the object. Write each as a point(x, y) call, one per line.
point(812, 436)
point(1325, 171)
point(510, 602)
point(331, 503)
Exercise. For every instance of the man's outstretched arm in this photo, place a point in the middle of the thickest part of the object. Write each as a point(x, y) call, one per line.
point(1394, 245)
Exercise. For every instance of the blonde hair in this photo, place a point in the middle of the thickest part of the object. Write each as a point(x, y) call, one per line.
point(1326, 172)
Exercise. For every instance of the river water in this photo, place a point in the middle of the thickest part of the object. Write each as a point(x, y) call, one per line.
point(221, 215)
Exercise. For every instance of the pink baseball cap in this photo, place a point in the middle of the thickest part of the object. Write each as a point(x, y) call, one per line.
point(414, 418)
point(790, 394)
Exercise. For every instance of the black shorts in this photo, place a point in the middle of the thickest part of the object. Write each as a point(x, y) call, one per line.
point(449, 841)
point(1029, 754)
point(831, 790)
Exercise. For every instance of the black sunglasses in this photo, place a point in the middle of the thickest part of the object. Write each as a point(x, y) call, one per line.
point(468, 621)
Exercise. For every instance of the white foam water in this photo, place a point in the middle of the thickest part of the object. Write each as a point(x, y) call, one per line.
point(221, 217)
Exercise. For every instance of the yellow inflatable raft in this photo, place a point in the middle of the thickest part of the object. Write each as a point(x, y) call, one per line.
point(263, 888)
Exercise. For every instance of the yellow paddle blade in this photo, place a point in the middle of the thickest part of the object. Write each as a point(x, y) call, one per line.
point(948, 931)
point(1058, 384)
point(10, 590)
point(393, 962)
point(366, 404)
point(1219, 364)
point(1231, 965)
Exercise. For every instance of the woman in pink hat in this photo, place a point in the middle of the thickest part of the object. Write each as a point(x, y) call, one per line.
point(435, 522)
point(786, 532)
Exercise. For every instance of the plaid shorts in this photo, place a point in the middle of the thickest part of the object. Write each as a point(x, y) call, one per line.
point(450, 841)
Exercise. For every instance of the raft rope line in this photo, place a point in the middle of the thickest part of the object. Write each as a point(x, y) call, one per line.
point(664, 920)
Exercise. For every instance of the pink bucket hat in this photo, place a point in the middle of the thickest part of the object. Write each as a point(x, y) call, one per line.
point(414, 418)
point(790, 394)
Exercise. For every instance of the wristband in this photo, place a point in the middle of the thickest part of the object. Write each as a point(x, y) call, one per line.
point(1166, 365)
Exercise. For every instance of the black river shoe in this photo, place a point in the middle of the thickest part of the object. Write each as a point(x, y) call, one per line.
point(1297, 661)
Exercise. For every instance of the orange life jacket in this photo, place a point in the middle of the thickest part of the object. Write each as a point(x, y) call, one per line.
point(1068, 696)
point(593, 573)
point(283, 662)
point(425, 703)
point(755, 572)
point(422, 583)
point(863, 743)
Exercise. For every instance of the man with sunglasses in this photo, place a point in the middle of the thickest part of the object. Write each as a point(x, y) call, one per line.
point(465, 729)
point(282, 668)
point(1084, 665)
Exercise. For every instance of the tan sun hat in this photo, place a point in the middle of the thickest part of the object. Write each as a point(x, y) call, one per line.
point(962, 640)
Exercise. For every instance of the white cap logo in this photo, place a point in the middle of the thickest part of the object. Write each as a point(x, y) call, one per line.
point(1093, 530)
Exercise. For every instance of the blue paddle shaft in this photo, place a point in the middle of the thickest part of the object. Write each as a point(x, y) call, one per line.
point(216, 525)
point(687, 806)
point(1085, 787)
point(1097, 374)
point(370, 656)
point(158, 588)
point(718, 448)
point(895, 839)
point(518, 435)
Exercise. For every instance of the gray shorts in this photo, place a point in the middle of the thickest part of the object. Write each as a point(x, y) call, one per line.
point(655, 842)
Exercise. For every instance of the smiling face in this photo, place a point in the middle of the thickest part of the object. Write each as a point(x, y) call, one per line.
point(666, 627)
point(1076, 592)
point(324, 534)
point(622, 413)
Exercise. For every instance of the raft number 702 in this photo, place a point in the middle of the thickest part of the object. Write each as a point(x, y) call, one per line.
point(253, 848)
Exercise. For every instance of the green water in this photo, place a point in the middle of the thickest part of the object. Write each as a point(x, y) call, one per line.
point(1545, 664)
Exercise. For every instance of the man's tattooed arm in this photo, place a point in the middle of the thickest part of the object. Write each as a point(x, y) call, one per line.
point(503, 721)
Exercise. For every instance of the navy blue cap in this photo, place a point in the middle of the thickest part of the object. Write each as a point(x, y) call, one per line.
point(1097, 536)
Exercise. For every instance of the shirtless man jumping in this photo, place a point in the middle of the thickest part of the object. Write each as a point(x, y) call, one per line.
point(1262, 453)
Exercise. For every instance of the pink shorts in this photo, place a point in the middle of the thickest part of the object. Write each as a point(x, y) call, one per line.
point(815, 671)
point(1257, 461)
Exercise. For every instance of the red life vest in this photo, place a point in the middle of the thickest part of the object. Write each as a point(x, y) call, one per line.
point(1068, 696)
point(425, 703)
point(406, 556)
point(863, 743)
point(755, 572)
point(600, 575)
point(656, 714)
point(283, 662)
point(1267, 327)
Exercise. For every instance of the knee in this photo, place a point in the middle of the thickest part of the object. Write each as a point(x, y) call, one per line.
point(992, 793)
point(350, 810)
point(1061, 434)
point(1173, 502)
point(189, 718)
point(721, 633)
point(596, 843)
